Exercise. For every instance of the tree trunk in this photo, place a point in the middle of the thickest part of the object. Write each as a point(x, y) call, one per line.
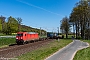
point(76, 31)
point(66, 35)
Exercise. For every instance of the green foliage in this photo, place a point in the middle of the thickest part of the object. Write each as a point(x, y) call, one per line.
point(65, 26)
point(19, 23)
point(79, 37)
point(14, 25)
point(30, 29)
point(7, 41)
point(0, 25)
point(11, 26)
point(80, 18)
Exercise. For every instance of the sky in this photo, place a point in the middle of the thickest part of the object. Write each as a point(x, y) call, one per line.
point(38, 13)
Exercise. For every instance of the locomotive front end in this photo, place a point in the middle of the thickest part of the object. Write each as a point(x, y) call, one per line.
point(19, 38)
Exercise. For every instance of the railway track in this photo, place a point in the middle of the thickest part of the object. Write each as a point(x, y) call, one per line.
point(16, 50)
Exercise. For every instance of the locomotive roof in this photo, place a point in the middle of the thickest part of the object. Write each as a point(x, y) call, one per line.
point(49, 32)
point(32, 33)
point(29, 32)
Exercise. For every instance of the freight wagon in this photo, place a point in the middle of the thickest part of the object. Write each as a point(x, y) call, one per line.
point(52, 35)
point(23, 37)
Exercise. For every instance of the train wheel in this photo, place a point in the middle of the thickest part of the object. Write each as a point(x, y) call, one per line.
point(26, 42)
point(18, 43)
point(22, 43)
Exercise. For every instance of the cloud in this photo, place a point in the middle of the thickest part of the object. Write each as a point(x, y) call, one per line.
point(29, 4)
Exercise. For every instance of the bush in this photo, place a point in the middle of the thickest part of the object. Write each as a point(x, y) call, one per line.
point(79, 37)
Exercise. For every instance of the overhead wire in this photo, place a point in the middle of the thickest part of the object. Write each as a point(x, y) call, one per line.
point(29, 4)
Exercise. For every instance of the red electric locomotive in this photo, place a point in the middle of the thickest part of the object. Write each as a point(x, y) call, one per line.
point(23, 37)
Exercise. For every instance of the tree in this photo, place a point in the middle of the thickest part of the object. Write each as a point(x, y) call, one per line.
point(80, 17)
point(2, 22)
point(19, 23)
point(12, 25)
point(65, 26)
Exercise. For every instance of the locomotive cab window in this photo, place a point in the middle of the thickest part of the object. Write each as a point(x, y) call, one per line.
point(19, 34)
point(25, 34)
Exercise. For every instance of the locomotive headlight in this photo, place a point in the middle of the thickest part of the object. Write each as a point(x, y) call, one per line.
point(16, 38)
point(21, 37)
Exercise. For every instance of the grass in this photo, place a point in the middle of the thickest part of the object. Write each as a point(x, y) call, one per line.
point(4, 42)
point(69, 36)
point(45, 51)
point(1, 34)
point(83, 54)
point(42, 36)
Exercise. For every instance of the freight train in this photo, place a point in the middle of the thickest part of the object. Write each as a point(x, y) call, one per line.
point(24, 37)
